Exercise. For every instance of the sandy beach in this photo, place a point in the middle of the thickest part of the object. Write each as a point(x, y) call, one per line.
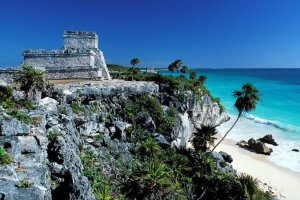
point(282, 181)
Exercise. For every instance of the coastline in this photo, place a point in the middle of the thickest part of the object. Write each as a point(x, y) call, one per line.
point(282, 181)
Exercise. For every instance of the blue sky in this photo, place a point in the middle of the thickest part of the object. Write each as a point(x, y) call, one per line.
point(202, 33)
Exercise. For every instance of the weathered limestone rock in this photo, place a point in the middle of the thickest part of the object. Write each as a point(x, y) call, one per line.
point(198, 112)
point(10, 126)
point(49, 105)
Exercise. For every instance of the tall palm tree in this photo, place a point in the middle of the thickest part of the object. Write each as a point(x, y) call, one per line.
point(135, 61)
point(246, 100)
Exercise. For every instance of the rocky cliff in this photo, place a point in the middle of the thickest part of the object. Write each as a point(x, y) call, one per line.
point(49, 150)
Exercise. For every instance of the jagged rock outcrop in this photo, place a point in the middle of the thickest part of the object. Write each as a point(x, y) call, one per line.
point(88, 115)
point(196, 112)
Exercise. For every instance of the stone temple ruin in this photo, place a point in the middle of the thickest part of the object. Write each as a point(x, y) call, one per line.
point(80, 58)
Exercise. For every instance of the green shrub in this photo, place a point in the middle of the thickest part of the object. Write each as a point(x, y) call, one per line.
point(251, 189)
point(30, 79)
point(9, 103)
point(204, 136)
point(5, 92)
point(153, 177)
point(53, 134)
point(24, 183)
point(77, 108)
point(149, 148)
point(5, 158)
point(25, 104)
point(102, 189)
point(23, 117)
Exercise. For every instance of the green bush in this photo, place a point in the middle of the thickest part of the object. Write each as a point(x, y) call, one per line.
point(5, 158)
point(204, 136)
point(23, 117)
point(153, 178)
point(9, 104)
point(77, 108)
point(5, 92)
point(24, 183)
point(53, 134)
point(149, 148)
point(30, 79)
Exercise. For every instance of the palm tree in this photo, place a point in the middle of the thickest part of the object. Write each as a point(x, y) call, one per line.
point(184, 69)
point(174, 66)
point(177, 64)
point(246, 101)
point(202, 79)
point(202, 136)
point(193, 75)
point(30, 79)
point(134, 61)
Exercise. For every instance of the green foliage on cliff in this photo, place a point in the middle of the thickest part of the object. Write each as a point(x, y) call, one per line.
point(23, 117)
point(140, 167)
point(30, 79)
point(24, 183)
point(151, 105)
point(5, 158)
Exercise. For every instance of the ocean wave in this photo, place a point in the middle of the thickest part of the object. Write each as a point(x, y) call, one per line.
point(279, 125)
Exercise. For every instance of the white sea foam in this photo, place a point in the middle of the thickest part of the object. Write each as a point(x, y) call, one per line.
point(255, 127)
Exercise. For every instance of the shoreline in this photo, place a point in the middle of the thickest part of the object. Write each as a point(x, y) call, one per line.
point(282, 181)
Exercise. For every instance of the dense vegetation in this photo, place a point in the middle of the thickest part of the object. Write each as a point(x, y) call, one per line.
point(152, 169)
point(155, 170)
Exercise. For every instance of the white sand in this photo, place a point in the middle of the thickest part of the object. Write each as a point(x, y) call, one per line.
point(281, 180)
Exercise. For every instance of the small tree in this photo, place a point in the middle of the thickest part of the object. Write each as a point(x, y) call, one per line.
point(246, 100)
point(184, 69)
point(30, 79)
point(134, 61)
point(192, 75)
point(203, 136)
point(175, 66)
point(202, 79)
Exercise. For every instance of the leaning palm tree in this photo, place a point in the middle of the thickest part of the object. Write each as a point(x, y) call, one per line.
point(246, 100)
point(135, 61)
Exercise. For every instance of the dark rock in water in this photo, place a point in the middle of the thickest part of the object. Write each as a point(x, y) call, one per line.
point(268, 139)
point(296, 150)
point(259, 147)
point(242, 144)
point(226, 156)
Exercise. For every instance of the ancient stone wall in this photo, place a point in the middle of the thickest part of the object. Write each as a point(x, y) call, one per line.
point(80, 51)
point(80, 40)
point(7, 75)
point(59, 59)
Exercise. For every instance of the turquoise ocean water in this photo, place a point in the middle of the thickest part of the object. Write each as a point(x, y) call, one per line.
point(278, 112)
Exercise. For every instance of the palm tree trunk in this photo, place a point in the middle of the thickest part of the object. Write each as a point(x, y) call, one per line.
point(237, 119)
